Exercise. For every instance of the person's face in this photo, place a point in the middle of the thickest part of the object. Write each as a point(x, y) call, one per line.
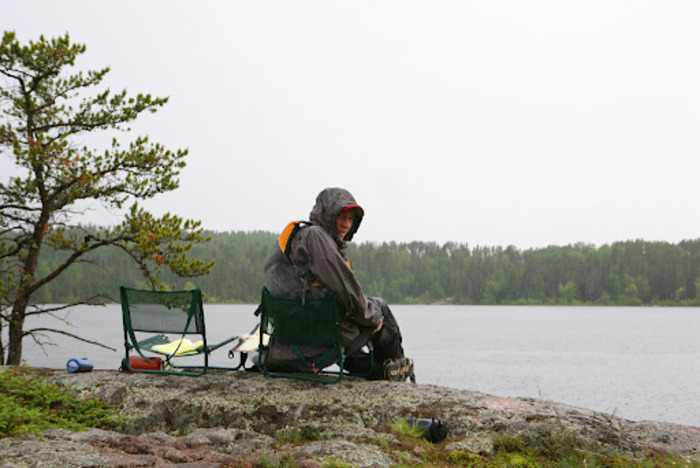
point(344, 222)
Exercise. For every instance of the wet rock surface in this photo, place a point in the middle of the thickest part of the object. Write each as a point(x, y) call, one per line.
point(241, 418)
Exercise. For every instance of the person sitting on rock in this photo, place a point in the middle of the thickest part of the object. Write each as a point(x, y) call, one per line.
point(310, 263)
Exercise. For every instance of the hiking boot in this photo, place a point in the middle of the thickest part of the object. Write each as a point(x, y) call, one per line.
point(398, 370)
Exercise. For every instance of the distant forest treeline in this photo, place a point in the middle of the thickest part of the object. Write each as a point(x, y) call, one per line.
point(624, 273)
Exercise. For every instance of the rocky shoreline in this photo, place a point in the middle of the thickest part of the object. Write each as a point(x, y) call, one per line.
point(241, 418)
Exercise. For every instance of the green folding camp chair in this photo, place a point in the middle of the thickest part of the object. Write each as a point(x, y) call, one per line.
point(179, 313)
point(313, 322)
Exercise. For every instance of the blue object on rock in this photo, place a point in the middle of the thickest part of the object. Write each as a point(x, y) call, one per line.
point(79, 365)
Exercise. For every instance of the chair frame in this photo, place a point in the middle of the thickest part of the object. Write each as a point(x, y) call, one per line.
point(195, 319)
point(334, 341)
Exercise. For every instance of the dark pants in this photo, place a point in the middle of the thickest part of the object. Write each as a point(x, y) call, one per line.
point(387, 345)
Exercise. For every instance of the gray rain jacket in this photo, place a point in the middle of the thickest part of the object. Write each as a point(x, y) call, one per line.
point(318, 254)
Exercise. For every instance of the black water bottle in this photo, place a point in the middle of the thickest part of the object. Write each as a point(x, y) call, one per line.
point(432, 430)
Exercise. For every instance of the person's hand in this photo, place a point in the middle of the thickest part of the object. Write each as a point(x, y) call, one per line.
point(381, 322)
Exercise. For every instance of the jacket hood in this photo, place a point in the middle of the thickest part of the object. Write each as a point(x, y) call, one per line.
point(328, 204)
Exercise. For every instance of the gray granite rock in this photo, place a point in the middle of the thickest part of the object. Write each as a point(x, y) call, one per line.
point(243, 417)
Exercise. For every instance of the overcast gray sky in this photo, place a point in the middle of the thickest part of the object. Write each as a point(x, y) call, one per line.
point(523, 123)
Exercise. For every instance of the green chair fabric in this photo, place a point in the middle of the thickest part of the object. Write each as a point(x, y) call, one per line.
point(311, 322)
point(179, 313)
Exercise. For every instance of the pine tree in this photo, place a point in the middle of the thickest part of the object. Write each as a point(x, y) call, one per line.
point(44, 111)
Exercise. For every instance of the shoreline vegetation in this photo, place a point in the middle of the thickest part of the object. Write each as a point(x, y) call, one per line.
point(629, 273)
point(243, 419)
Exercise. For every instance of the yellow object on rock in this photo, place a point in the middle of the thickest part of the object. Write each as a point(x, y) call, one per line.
point(181, 347)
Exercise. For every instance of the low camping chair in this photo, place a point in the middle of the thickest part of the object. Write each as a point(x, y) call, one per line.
point(179, 313)
point(313, 322)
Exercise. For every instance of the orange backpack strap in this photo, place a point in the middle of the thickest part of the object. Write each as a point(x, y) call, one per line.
point(288, 234)
point(285, 243)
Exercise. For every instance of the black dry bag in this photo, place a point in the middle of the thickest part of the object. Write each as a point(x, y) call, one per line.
point(433, 429)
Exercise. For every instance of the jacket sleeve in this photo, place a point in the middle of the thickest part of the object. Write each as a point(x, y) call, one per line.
point(318, 250)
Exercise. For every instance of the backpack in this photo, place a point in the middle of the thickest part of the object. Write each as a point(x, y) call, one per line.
point(285, 239)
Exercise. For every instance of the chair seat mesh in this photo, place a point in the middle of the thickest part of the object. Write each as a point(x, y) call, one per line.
point(314, 322)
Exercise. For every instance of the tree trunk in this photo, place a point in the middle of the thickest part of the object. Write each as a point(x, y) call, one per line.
point(19, 308)
point(2, 346)
point(16, 332)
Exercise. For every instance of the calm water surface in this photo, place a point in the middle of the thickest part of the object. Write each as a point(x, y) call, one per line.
point(637, 363)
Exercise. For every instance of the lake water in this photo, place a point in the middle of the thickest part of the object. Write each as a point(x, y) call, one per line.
point(636, 363)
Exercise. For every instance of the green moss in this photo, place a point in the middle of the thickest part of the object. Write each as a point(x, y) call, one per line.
point(564, 450)
point(293, 435)
point(561, 450)
point(332, 463)
point(285, 462)
point(28, 404)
